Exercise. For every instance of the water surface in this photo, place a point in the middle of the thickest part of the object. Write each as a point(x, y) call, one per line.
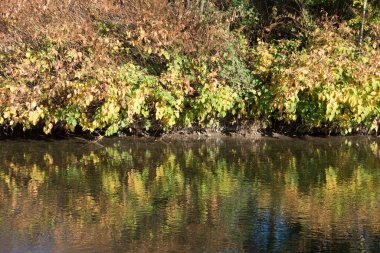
point(218, 195)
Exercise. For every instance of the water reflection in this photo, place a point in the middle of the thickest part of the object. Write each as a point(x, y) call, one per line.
point(228, 195)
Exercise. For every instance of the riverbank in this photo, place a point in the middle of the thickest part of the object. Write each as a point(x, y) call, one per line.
point(253, 131)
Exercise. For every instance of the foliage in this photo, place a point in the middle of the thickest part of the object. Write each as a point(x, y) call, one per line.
point(328, 83)
point(154, 66)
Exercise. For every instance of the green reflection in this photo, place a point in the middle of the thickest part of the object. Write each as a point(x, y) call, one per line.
point(232, 195)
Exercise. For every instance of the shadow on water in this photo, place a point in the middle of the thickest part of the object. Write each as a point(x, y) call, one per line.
point(218, 195)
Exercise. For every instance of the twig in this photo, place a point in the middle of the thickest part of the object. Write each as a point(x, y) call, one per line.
point(96, 141)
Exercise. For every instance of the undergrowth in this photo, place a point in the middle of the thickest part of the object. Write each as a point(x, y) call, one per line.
point(157, 66)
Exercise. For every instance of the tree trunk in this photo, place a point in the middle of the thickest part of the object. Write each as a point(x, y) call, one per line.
point(363, 24)
point(202, 5)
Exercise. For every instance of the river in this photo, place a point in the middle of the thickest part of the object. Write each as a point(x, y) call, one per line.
point(213, 195)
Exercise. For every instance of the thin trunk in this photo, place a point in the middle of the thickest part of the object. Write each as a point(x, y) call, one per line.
point(202, 5)
point(363, 23)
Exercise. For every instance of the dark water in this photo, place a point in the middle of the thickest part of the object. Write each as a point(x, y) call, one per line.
point(226, 195)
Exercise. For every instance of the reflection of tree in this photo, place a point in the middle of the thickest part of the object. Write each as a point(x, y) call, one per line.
point(225, 195)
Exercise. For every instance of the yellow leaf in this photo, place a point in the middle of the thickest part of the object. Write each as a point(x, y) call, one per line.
point(33, 105)
point(6, 114)
point(48, 128)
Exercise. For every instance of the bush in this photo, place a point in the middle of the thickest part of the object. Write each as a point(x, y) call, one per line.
point(328, 83)
point(115, 66)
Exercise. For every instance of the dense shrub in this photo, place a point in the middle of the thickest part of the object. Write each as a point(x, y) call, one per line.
point(152, 65)
point(328, 83)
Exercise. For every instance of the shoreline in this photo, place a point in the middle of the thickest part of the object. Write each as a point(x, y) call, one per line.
point(253, 131)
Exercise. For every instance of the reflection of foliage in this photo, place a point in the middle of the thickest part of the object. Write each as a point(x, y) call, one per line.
point(131, 192)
